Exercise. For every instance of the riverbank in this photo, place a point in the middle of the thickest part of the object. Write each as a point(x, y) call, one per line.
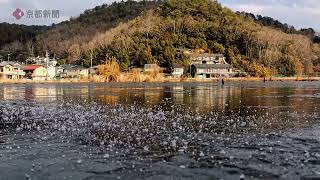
point(164, 80)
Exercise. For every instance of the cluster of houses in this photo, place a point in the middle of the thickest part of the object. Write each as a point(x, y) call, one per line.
point(201, 65)
point(41, 69)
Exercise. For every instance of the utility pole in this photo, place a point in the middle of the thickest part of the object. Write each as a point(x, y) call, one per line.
point(32, 53)
point(47, 54)
point(91, 54)
point(47, 58)
point(91, 60)
point(9, 57)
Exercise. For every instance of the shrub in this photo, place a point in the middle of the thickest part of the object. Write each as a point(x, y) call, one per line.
point(258, 70)
point(110, 70)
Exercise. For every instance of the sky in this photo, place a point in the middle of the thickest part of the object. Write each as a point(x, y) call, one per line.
point(300, 13)
point(66, 8)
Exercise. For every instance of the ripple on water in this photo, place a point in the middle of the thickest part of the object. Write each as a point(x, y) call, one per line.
point(73, 141)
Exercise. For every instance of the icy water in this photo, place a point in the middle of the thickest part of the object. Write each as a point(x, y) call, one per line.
point(160, 131)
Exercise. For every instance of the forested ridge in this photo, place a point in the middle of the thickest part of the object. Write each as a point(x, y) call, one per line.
point(58, 38)
point(269, 21)
point(21, 33)
point(135, 33)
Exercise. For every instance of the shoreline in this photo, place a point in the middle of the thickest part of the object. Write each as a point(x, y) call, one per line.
point(190, 80)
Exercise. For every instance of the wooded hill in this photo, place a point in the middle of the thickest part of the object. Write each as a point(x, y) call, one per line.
point(269, 21)
point(58, 38)
point(136, 33)
point(20, 33)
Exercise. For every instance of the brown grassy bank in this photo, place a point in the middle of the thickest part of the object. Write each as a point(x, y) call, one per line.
point(157, 78)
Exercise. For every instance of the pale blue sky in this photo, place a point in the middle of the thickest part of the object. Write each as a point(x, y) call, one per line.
point(67, 9)
point(300, 13)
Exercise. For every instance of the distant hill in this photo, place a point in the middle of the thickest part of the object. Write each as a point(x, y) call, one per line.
point(21, 33)
point(269, 21)
point(97, 20)
point(60, 37)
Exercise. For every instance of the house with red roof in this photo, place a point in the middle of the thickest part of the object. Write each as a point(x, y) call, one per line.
point(36, 72)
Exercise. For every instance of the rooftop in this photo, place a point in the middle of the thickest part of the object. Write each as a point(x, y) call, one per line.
point(11, 63)
point(71, 66)
point(213, 66)
point(31, 67)
point(206, 55)
point(176, 65)
point(151, 66)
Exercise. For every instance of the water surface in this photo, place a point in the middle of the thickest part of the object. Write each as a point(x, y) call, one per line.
point(160, 131)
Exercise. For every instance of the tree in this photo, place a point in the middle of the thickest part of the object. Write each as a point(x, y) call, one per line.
point(216, 47)
point(287, 66)
point(75, 52)
point(110, 70)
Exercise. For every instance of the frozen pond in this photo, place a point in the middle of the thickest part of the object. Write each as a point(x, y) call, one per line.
point(170, 131)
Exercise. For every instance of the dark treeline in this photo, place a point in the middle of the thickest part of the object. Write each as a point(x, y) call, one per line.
point(16, 37)
point(269, 21)
point(21, 33)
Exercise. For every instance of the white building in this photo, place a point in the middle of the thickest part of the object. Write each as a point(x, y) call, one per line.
point(177, 70)
point(51, 72)
point(205, 65)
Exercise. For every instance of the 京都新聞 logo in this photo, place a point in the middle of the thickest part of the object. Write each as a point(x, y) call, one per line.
point(37, 14)
point(18, 13)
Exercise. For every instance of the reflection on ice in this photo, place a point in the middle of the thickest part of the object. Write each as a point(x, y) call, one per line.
point(146, 131)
